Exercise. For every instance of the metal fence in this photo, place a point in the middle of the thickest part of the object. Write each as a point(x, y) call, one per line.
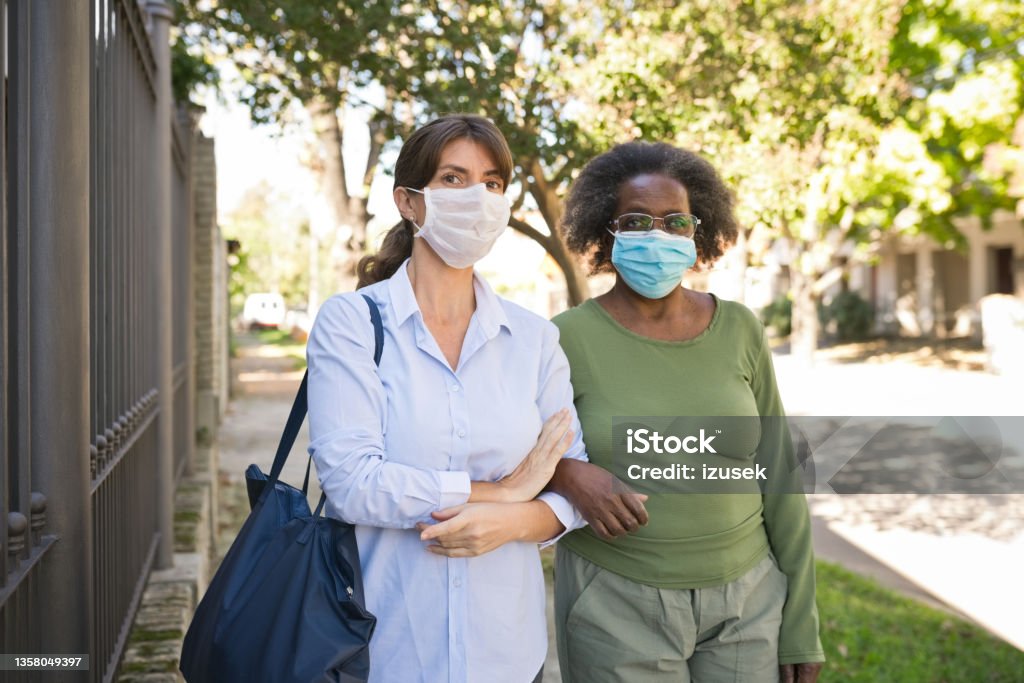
point(183, 336)
point(23, 506)
point(124, 386)
point(94, 172)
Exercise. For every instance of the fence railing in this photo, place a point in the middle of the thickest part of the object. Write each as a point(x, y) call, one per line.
point(83, 180)
point(122, 321)
point(183, 335)
point(22, 505)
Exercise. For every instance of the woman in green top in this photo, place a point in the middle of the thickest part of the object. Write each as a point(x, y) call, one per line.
point(693, 581)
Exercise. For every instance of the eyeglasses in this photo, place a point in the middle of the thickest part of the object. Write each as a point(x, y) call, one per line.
point(683, 224)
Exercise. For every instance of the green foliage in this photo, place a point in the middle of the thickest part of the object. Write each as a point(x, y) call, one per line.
point(191, 65)
point(189, 69)
point(240, 281)
point(273, 254)
point(286, 344)
point(778, 315)
point(871, 634)
point(852, 315)
point(205, 437)
point(275, 337)
point(835, 122)
point(961, 61)
point(298, 49)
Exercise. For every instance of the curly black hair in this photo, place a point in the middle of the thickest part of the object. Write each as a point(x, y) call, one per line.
point(594, 195)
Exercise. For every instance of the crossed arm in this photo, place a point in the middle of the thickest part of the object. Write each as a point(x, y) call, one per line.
point(505, 511)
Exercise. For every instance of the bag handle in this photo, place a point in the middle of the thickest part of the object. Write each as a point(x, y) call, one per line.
point(301, 405)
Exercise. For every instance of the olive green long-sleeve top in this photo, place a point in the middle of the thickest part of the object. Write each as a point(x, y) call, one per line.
point(696, 538)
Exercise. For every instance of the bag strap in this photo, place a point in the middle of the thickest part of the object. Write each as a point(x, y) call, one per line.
point(301, 405)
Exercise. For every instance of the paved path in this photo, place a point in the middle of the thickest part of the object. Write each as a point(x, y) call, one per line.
point(896, 388)
point(962, 552)
point(265, 385)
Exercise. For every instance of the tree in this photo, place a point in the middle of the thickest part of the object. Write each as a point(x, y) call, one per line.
point(508, 62)
point(425, 60)
point(315, 54)
point(270, 259)
point(779, 94)
point(835, 122)
point(963, 63)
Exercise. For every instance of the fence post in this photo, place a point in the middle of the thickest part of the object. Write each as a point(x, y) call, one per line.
point(161, 15)
point(59, 321)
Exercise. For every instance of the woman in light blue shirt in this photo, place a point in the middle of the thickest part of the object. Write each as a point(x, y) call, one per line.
point(440, 455)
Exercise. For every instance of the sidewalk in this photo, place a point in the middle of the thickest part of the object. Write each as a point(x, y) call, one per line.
point(963, 553)
point(264, 383)
point(936, 552)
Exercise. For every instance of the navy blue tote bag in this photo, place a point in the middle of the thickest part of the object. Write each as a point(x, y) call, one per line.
point(286, 604)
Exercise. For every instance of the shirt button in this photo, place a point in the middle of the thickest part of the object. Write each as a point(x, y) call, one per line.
point(454, 388)
point(457, 582)
point(462, 432)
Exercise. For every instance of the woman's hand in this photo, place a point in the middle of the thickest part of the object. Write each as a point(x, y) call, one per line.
point(470, 529)
point(800, 673)
point(609, 506)
point(531, 475)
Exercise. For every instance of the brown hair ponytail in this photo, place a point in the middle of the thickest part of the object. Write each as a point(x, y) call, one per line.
point(396, 247)
point(417, 163)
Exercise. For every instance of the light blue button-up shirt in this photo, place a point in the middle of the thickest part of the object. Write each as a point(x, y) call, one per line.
point(395, 443)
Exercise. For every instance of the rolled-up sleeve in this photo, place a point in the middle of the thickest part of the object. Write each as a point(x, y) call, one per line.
point(347, 408)
point(555, 392)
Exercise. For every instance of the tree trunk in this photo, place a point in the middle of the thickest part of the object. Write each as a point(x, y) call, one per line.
point(350, 212)
point(577, 287)
point(740, 256)
point(550, 206)
point(804, 335)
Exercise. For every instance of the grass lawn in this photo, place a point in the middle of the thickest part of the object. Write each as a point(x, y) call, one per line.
point(874, 635)
point(286, 344)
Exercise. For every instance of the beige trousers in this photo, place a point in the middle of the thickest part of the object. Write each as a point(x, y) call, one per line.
point(611, 628)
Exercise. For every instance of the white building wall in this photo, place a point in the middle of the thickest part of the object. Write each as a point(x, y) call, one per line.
point(1007, 232)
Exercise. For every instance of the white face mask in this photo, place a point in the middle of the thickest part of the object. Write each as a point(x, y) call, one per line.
point(462, 224)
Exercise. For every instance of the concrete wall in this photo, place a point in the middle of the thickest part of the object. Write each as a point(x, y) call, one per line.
point(926, 290)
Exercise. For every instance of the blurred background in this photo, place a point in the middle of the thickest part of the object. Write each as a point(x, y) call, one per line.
point(875, 149)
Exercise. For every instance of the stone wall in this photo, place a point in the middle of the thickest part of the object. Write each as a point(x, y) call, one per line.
point(210, 288)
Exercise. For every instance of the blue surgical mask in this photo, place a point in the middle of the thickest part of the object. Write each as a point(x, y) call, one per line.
point(653, 262)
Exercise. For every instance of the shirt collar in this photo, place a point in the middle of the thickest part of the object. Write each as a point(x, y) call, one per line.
point(403, 301)
point(489, 310)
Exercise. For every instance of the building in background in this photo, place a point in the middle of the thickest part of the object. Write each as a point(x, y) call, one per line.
point(916, 286)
